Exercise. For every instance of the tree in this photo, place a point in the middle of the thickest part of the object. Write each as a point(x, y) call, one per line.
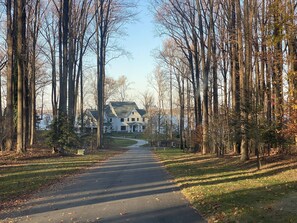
point(159, 84)
point(9, 98)
point(111, 88)
point(110, 17)
point(33, 30)
point(176, 66)
point(147, 100)
point(123, 86)
point(20, 59)
point(49, 33)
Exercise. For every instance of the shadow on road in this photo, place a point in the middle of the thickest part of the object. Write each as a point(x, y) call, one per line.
point(130, 187)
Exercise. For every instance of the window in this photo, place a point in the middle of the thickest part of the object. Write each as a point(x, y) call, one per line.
point(123, 128)
point(110, 120)
point(144, 119)
point(137, 119)
point(132, 113)
point(122, 119)
point(133, 119)
point(128, 119)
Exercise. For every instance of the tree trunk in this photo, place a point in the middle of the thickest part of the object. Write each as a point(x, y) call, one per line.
point(64, 74)
point(9, 99)
point(243, 83)
point(100, 73)
point(20, 86)
point(35, 32)
point(205, 62)
point(277, 76)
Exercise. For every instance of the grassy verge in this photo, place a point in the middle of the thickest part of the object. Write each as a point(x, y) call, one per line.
point(22, 175)
point(119, 143)
point(226, 190)
point(132, 135)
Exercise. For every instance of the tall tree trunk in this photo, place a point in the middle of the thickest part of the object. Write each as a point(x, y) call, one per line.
point(101, 37)
point(54, 81)
point(277, 76)
point(171, 104)
point(292, 45)
point(243, 84)
point(235, 88)
point(64, 76)
point(71, 68)
point(35, 32)
point(9, 99)
point(205, 64)
point(20, 86)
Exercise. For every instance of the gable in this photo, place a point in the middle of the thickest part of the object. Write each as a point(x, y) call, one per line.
point(142, 112)
point(123, 109)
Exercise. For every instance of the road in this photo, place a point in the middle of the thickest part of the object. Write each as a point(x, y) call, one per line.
point(131, 187)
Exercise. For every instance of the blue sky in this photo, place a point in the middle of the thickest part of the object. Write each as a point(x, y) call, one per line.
point(140, 42)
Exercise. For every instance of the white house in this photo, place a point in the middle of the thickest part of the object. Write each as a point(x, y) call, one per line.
point(119, 117)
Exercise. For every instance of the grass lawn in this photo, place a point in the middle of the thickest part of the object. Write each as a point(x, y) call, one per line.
point(227, 190)
point(132, 135)
point(22, 175)
point(119, 143)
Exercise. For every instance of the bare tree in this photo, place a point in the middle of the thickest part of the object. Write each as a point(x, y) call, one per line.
point(147, 100)
point(123, 86)
point(34, 15)
point(20, 57)
point(9, 98)
point(110, 17)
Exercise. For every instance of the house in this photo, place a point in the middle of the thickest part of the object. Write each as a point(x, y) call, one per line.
point(119, 117)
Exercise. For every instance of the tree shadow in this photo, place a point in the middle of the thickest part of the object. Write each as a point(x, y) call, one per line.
point(220, 175)
point(249, 204)
point(134, 180)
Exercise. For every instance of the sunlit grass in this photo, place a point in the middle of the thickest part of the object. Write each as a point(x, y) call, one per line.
point(120, 143)
point(21, 177)
point(226, 190)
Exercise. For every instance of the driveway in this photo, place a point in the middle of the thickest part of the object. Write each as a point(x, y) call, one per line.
point(131, 187)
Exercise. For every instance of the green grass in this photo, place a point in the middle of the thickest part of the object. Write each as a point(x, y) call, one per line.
point(132, 135)
point(226, 190)
point(119, 143)
point(20, 176)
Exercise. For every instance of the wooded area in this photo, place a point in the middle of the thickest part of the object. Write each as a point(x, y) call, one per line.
point(230, 67)
point(55, 35)
point(233, 65)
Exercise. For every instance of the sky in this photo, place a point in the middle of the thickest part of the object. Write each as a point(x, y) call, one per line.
point(140, 42)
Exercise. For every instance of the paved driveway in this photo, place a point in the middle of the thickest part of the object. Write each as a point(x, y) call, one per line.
point(131, 187)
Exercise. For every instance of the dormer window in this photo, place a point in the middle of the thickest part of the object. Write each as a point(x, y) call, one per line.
point(110, 120)
point(132, 113)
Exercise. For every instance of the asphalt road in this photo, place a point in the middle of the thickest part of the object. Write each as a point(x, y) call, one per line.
point(131, 187)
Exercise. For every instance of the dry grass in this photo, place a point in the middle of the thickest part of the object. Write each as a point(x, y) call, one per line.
point(227, 190)
point(22, 175)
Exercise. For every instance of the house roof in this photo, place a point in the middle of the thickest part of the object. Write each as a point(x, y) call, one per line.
point(94, 113)
point(109, 112)
point(142, 112)
point(122, 109)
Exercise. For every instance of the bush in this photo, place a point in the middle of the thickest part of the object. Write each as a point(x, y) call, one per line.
point(61, 135)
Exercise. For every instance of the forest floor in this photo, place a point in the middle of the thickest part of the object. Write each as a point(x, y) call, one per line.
point(227, 190)
point(22, 175)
